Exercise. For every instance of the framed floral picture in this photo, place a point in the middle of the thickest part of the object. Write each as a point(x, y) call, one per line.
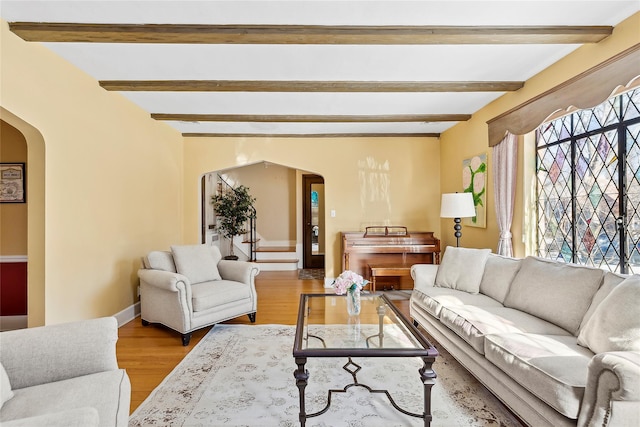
point(12, 185)
point(474, 181)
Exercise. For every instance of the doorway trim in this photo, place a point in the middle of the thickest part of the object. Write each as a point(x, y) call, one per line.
point(309, 260)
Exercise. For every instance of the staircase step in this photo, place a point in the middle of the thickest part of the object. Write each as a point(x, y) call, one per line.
point(277, 264)
point(276, 249)
point(276, 261)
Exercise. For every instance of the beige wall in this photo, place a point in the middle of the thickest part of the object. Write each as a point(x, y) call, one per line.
point(367, 180)
point(13, 216)
point(469, 138)
point(105, 184)
point(274, 188)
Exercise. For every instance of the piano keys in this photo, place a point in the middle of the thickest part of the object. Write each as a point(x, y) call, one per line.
point(389, 246)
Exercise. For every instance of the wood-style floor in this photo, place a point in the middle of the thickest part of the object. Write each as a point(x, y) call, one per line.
point(150, 353)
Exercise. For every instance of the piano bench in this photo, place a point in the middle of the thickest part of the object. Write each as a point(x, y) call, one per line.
point(387, 270)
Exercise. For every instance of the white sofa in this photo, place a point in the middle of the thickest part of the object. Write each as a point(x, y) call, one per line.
point(63, 375)
point(191, 287)
point(558, 344)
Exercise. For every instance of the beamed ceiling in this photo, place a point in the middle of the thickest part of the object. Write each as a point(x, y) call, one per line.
point(313, 68)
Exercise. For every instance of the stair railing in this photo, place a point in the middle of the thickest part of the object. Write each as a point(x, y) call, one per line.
point(252, 229)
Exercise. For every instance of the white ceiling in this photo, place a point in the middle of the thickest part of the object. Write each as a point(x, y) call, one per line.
point(313, 62)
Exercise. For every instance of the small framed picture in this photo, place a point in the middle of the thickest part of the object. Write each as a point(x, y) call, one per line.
point(12, 183)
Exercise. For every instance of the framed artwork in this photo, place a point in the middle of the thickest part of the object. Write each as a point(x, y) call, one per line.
point(12, 183)
point(474, 181)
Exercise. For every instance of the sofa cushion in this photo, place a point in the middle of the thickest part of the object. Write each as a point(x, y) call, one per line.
point(552, 367)
point(5, 386)
point(108, 392)
point(499, 272)
point(615, 324)
point(160, 260)
point(198, 263)
point(211, 294)
point(462, 268)
point(472, 323)
point(554, 291)
point(434, 299)
point(610, 281)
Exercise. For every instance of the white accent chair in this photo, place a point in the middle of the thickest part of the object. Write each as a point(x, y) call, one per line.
point(191, 287)
point(63, 375)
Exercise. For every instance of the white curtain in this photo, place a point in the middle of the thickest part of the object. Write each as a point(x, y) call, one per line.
point(505, 167)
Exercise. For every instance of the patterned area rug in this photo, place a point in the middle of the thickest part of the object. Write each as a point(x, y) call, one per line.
point(241, 375)
point(311, 273)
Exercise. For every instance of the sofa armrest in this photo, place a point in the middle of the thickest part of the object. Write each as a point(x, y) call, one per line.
point(612, 391)
point(165, 280)
point(424, 275)
point(47, 354)
point(238, 271)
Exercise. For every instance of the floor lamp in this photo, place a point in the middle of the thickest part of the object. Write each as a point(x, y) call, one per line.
point(456, 206)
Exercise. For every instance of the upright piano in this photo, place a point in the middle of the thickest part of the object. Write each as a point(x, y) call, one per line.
point(392, 246)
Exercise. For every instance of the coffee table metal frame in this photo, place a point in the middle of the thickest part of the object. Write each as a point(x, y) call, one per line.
point(426, 352)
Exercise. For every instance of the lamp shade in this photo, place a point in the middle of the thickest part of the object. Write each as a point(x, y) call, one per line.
point(457, 205)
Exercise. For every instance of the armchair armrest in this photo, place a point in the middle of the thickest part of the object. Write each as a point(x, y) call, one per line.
point(165, 280)
point(47, 354)
point(424, 275)
point(239, 271)
point(612, 394)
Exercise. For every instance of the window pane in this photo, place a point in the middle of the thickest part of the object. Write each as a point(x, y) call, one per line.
point(632, 176)
point(578, 182)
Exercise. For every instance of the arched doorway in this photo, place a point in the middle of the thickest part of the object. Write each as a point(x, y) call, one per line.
point(35, 222)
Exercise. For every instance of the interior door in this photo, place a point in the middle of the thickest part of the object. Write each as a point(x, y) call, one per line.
point(313, 239)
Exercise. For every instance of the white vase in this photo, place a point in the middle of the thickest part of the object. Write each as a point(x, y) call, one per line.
point(353, 303)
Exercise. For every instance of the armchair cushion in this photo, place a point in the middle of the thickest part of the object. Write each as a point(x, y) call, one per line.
point(207, 295)
point(615, 324)
point(199, 263)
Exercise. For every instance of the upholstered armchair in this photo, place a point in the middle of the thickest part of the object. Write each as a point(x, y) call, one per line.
point(191, 287)
point(63, 375)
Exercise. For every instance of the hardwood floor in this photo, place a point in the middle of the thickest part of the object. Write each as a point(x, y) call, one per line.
point(150, 353)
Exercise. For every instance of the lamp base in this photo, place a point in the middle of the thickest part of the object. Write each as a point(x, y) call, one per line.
point(458, 233)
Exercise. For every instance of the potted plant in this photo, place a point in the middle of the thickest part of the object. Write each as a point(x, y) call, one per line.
point(233, 209)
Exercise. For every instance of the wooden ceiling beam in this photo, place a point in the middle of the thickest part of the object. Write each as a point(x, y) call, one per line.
point(306, 34)
point(428, 118)
point(307, 86)
point(310, 135)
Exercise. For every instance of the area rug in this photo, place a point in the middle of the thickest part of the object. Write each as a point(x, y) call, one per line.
point(311, 274)
point(242, 375)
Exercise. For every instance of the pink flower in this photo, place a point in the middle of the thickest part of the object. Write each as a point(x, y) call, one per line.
point(349, 281)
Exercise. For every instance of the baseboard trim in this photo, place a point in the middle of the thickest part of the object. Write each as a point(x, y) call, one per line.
point(128, 314)
point(13, 258)
point(10, 323)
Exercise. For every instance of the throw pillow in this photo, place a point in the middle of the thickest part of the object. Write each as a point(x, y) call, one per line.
point(197, 262)
point(462, 269)
point(615, 324)
point(160, 260)
point(5, 386)
point(554, 291)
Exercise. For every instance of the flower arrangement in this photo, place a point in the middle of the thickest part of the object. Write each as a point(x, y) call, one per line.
point(348, 281)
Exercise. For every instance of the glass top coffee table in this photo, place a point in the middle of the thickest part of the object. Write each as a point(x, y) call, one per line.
point(325, 329)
